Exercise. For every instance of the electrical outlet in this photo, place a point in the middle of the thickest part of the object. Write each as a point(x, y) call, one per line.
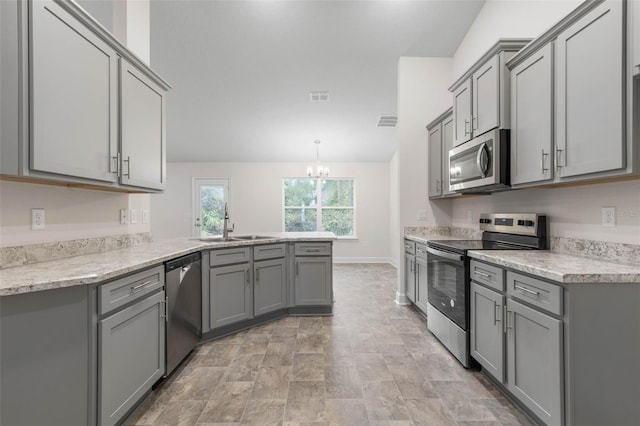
point(37, 218)
point(422, 215)
point(133, 216)
point(608, 216)
point(123, 216)
point(145, 216)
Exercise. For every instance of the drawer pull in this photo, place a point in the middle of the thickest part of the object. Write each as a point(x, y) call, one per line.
point(526, 290)
point(312, 250)
point(482, 274)
point(496, 308)
point(140, 287)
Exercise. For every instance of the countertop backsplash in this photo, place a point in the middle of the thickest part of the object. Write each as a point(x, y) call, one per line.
point(35, 253)
point(603, 250)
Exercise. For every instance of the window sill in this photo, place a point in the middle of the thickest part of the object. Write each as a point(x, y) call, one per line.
point(350, 238)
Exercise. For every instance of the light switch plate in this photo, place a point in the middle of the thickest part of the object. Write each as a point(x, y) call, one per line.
point(37, 219)
point(123, 216)
point(145, 216)
point(133, 216)
point(608, 216)
point(422, 215)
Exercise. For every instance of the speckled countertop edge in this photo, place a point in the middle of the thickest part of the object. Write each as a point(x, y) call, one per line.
point(561, 267)
point(430, 237)
point(94, 268)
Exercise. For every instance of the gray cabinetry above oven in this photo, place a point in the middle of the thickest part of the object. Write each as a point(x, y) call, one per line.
point(571, 99)
point(440, 142)
point(481, 95)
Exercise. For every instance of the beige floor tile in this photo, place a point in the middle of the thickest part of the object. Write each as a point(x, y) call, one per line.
point(272, 383)
point(227, 403)
point(384, 401)
point(308, 367)
point(265, 412)
point(342, 382)
point(346, 412)
point(306, 402)
point(180, 413)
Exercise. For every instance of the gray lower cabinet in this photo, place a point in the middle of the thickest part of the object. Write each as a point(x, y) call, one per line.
point(534, 359)
point(131, 356)
point(532, 118)
point(74, 96)
point(410, 276)
point(422, 290)
point(589, 58)
point(230, 292)
point(313, 282)
point(270, 286)
point(487, 344)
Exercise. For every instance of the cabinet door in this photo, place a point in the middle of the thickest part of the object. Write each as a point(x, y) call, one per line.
point(74, 80)
point(462, 113)
point(229, 294)
point(635, 31)
point(131, 353)
point(410, 277)
point(531, 118)
point(313, 281)
point(447, 144)
point(422, 290)
point(486, 97)
point(142, 116)
point(534, 359)
point(270, 286)
point(487, 335)
point(590, 93)
point(435, 161)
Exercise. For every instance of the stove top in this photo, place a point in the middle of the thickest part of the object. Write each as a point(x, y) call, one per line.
point(462, 246)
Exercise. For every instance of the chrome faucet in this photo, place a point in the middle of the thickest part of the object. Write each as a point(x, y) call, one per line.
point(225, 225)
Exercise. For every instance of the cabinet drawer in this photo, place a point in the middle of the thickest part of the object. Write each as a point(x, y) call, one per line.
point(538, 293)
point(270, 251)
point(409, 247)
point(124, 290)
point(229, 256)
point(421, 252)
point(313, 249)
point(488, 275)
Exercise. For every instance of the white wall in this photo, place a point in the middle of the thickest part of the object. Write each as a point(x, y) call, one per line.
point(574, 212)
point(394, 218)
point(70, 213)
point(507, 19)
point(256, 201)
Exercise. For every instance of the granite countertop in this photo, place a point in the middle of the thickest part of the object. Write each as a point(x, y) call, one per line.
point(94, 268)
point(561, 267)
point(430, 236)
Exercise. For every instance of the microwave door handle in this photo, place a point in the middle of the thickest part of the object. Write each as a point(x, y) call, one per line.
point(444, 254)
point(481, 159)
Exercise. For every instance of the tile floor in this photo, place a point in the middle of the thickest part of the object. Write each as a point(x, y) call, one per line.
point(372, 363)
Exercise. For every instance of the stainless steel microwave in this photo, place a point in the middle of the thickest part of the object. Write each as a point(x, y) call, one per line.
point(482, 164)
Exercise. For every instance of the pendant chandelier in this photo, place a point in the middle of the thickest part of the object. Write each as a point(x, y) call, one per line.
point(319, 171)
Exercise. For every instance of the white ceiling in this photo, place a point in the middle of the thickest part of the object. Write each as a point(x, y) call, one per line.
point(242, 71)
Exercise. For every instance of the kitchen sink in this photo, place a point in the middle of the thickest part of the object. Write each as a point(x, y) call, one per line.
point(216, 239)
point(251, 237)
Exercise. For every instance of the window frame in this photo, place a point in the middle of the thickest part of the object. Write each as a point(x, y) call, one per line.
point(319, 207)
point(196, 181)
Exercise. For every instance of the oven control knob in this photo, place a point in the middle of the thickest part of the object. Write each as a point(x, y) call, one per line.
point(520, 222)
point(528, 223)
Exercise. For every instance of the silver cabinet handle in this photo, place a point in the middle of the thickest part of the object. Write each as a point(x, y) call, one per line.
point(128, 160)
point(474, 123)
point(297, 268)
point(445, 254)
point(558, 153)
point(496, 308)
point(438, 185)
point(140, 287)
point(526, 290)
point(466, 124)
point(509, 323)
point(115, 160)
point(246, 273)
point(316, 250)
point(482, 274)
point(257, 274)
point(165, 304)
point(542, 162)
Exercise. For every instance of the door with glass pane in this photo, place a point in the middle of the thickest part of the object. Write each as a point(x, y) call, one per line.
point(209, 198)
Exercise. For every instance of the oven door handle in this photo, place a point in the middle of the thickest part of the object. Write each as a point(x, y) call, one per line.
point(445, 254)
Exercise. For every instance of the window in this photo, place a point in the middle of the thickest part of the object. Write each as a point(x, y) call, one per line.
point(209, 197)
point(320, 205)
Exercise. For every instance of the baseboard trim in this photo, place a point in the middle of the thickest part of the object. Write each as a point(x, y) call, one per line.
point(362, 260)
point(402, 299)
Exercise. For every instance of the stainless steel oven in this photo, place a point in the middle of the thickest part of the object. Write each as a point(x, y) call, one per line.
point(447, 284)
point(482, 164)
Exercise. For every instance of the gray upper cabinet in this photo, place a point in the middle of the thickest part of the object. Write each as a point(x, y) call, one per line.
point(635, 24)
point(80, 108)
point(270, 286)
point(481, 95)
point(532, 118)
point(590, 93)
point(486, 94)
point(230, 291)
point(462, 113)
point(487, 337)
point(534, 359)
point(447, 145)
point(435, 161)
point(142, 115)
point(73, 97)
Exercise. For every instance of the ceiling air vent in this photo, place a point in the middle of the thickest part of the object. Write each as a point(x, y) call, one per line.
point(387, 121)
point(319, 96)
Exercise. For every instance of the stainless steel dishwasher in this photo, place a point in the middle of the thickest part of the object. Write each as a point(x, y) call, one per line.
point(183, 282)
